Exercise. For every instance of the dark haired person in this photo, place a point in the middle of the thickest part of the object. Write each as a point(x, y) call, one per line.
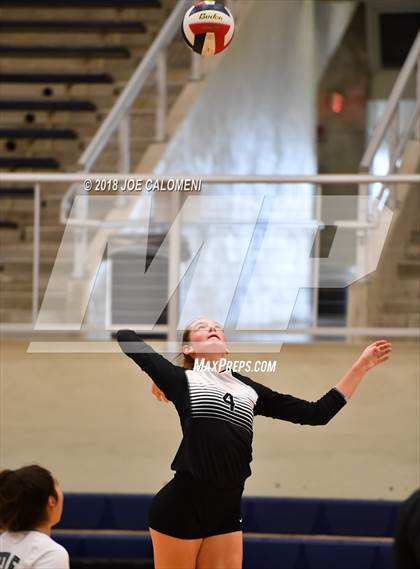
point(31, 503)
point(195, 520)
point(407, 535)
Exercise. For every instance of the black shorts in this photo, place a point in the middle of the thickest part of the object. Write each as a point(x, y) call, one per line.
point(188, 508)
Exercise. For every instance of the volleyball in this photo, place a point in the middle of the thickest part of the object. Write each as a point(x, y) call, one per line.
point(208, 27)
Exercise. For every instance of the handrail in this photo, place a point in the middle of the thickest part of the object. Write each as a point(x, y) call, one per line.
point(219, 179)
point(391, 105)
point(134, 85)
point(404, 139)
point(39, 178)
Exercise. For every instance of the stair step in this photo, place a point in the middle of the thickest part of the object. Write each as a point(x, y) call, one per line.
point(50, 205)
point(9, 236)
point(88, 4)
point(9, 229)
point(32, 163)
point(19, 281)
point(32, 51)
point(51, 91)
point(413, 251)
point(21, 300)
point(79, 105)
point(47, 233)
point(409, 269)
point(45, 133)
point(67, 78)
point(59, 148)
point(122, 71)
point(414, 321)
point(393, 320)
point(85, 124)
point(415, 236)
point(14, 264)
point(403, 292)
point(403, 307)
point(153, 17)
point(17, 192)
point(25, 249)
point(72, 26)
point(86, 121)
point(26, 235)
point(15, 316)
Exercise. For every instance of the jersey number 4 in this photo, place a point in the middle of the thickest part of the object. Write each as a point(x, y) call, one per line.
point(228, 398)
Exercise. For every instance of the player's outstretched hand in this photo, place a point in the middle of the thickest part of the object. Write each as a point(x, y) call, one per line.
point(375, 354)
point(158, 393)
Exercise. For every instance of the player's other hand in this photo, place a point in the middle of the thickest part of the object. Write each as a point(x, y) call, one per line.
point(375, 354)
point(158, 393)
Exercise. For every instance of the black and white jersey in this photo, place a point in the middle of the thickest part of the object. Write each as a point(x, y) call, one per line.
point(216, 411)
point(220, 395)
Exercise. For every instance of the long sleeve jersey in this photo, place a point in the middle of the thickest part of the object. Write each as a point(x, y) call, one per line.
point(216, 411)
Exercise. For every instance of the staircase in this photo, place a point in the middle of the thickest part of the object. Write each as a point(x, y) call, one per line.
point(400, 299)
point(61, 70)
point(390, 297)
point(145, 152)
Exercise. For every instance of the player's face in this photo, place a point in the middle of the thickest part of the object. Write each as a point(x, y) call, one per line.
point(207, 336)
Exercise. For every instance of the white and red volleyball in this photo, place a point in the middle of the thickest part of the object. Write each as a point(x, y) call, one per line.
point(208, 27)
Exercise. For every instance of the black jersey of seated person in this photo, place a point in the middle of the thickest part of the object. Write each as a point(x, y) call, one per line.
point(216, 411)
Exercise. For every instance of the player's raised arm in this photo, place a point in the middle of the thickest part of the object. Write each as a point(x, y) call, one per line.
point(295, 410)
point(280, 406)
point(168, 377)
point(373, 355)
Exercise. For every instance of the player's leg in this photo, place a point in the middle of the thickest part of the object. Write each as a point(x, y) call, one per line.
point(221, 551)
point(174, 553)
point(174, 527)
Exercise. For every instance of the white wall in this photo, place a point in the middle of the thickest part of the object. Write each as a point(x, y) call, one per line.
point(92, 420)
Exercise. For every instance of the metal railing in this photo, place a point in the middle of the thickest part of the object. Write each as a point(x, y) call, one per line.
point(388, 129)
point(174, 258)
point(118, 117)
point(118, 120)
point(388, 124)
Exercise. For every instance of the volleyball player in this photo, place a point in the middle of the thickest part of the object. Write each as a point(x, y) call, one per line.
point(31, 503)
point(195, 520)
point(407, 534)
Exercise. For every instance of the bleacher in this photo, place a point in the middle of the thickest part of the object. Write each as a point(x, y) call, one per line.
point(110, 530)
point(55, 65)
point(62, 68)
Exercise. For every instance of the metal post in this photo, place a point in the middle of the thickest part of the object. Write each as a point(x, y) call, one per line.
point(36, 253)
point(393, 143)
point(363, 217)
point(124, 144)
point(417, 124)
point(80, 236)
point(162, 91)
point(173, 265)
point(196, 67)
point(316, 263)
point(393, 138)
